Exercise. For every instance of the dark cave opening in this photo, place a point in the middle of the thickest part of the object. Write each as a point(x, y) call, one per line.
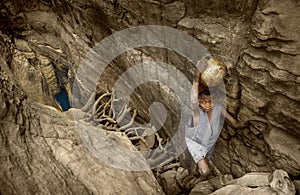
point(63, 100)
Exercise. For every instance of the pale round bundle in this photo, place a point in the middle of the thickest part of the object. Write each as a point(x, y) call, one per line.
point(213, 73)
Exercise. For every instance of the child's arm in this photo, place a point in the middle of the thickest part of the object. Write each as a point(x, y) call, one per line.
point(233, 121)
point(194, 98)
point(195, 90)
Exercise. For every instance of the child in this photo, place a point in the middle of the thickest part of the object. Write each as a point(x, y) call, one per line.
point(204, 128)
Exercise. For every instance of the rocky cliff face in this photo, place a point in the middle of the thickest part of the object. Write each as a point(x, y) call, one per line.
point(43, 44)
point(42, 152)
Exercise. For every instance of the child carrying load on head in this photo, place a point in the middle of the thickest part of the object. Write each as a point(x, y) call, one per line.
point(204, 127)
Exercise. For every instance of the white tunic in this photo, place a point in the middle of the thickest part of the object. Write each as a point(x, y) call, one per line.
point(201, 139)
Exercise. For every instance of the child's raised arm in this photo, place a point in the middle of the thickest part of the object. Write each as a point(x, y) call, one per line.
point(233, 121)
point(195, 90)
point(194, 98)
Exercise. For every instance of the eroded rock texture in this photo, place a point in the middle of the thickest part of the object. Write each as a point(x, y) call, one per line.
point(269, 85)
point(263, 83)
point(42, 153)
point(43, 43)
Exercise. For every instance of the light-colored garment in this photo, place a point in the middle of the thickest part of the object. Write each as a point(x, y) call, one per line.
point(201, 139)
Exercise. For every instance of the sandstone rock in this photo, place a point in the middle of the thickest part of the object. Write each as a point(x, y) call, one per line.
point(31, 79)
point(277, 182)
point(168, 182)
point(151, 16)
point(297, 185)
point(271, 60)
point(254, 101)
point(223, 8)
point(277, 23)
point(252, 180)
point(3, 107)
point(189, 23)
point(22, 45)
point(283, 114)
point(59, 146)
point(264, 80)
point(217, 34)
point(285, 146)
point(166, 1)
point(185, 179)
point(269, 72)
point(272, 85)
point(237, 170)
point(209, 186)
point(50, 76)
point(251, 159)
point(202, 188)
point(174, 11)
point(42, 153)
point(236, 190)
point(281, 183)
point(232, 87)
point(221, 157)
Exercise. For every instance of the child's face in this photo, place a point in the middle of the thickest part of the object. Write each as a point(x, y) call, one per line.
point(206, 102)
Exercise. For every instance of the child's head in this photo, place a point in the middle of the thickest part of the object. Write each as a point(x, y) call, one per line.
point(206, 100)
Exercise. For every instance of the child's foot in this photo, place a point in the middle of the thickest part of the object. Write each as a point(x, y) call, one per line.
point(203, 167)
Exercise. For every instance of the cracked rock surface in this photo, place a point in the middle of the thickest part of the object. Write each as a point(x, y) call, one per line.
point(42, 44)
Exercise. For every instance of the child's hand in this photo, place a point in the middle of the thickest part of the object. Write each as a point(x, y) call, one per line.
point(197, 75)
point(233, 122)
point(260, 125)
point(241, 125)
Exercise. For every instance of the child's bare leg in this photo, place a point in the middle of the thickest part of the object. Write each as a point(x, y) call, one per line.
point(203, 167)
